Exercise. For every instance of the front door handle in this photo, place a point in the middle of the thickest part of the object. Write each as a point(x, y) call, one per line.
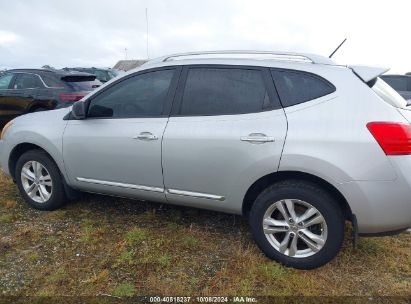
point(257, 138)
point(146, 136)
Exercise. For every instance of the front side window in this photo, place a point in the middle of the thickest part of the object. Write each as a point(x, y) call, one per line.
point(220, 91)
point(142, 95)
point(295, 87)
point(28, 81)
point(5, 81)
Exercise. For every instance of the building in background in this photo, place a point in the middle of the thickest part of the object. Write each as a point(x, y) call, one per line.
point(127, 65)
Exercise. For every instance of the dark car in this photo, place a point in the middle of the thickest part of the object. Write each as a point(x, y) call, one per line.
point(29, 90)
point(103, 75)
point(400, 83)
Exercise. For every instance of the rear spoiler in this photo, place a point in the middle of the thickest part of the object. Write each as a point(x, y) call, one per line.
point(367, 73)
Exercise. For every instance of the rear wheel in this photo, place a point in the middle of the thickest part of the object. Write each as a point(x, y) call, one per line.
point(39, 181)
point(297, 224)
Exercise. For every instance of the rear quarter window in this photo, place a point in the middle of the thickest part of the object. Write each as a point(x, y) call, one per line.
point(295, 87)
point(52, 82)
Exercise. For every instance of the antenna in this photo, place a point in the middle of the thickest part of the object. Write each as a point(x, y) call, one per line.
point(337, 48)
point(147, 33)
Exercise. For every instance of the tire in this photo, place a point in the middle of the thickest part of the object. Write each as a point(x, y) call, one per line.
point(324, 234)
point(49, 178)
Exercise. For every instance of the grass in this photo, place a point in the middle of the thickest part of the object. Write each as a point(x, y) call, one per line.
point(111, 246)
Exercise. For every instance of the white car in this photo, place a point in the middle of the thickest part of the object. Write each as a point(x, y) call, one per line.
point(294, 142)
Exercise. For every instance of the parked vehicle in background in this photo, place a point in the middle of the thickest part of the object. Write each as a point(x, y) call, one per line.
point(103, 75)
point(400, 83)
point(30, 90)
point(294, 142)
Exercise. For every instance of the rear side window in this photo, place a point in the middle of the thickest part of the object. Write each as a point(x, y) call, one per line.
point(5, 81)
point(81, 83)
point(219, 91)
point(295, 87)
point(28, 81)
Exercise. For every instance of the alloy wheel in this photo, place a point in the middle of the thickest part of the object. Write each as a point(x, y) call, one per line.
point(36, 181)
point(295, 228)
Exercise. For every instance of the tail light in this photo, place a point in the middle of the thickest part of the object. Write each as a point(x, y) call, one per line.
point(394, 138)
point(71, 96)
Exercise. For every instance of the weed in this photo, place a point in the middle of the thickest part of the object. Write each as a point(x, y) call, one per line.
point(136, 235)
point(191, 242)
point(58, 276)
point(165, 260)
point(124, 290)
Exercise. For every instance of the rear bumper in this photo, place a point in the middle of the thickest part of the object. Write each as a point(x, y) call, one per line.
point(4, 168)
point(382, 207)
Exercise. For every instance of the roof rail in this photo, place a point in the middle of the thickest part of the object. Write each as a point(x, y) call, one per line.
point(271, 55)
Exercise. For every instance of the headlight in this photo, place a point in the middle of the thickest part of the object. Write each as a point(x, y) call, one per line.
point(6, 127)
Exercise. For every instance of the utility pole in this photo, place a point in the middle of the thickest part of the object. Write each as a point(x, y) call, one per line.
point(125, 50)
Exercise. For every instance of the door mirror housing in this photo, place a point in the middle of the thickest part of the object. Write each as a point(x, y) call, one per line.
point(79, 110)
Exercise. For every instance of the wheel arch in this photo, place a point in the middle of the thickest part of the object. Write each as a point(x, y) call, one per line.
point(258, 186)
point(19, 150)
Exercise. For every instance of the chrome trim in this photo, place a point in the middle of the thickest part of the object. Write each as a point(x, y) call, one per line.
point(121, 185)
point(196, 194)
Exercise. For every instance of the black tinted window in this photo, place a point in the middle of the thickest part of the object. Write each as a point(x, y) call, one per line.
point(214, 91)
point(52, 81)
point(28, 81)
point(83, 85)
point(397, 83)
point(139, 96)
point(5, 81)
point(298, 87)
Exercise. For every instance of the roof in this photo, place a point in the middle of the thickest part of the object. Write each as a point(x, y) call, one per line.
point(126, 65)
point(54, 71)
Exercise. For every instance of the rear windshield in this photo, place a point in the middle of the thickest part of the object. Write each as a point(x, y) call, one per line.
point(81, 83)
point(387, 93)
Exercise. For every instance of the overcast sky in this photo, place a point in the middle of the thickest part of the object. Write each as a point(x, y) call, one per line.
point(96, 32)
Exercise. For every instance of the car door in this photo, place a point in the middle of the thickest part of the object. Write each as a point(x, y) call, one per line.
point(117, 148)
point(226, 131)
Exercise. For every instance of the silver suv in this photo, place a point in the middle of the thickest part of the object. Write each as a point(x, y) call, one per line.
point(294, 142)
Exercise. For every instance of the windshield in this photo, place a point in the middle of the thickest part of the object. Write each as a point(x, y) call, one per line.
point(387, 93)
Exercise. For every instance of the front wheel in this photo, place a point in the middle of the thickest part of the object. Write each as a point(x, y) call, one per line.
point(39, 181)
point(297, 224)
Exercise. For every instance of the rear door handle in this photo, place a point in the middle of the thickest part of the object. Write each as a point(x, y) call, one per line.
point(257, 138)
point(146, 136)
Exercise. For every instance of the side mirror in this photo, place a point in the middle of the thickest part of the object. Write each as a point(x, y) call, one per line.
point(79, 110)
